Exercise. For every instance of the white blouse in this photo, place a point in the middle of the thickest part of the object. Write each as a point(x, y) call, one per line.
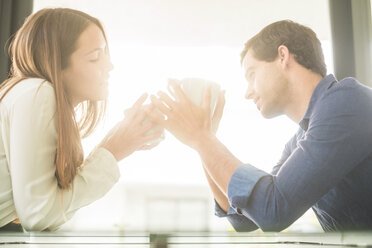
point(28, 142)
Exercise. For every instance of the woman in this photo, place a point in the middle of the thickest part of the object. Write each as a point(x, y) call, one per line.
point(60, 68)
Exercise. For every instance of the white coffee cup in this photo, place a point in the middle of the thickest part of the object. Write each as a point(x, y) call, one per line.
point(194, 89)
point(152, 131)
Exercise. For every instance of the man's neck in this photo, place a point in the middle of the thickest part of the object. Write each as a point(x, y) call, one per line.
point(303, 83)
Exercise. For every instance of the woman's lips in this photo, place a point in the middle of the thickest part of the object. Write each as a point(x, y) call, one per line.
point(256, 101)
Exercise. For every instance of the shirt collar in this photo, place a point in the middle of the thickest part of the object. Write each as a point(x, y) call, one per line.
point(319, 90)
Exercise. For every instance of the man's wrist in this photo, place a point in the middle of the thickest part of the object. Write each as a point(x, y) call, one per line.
point(205, 140)
point(217, 159)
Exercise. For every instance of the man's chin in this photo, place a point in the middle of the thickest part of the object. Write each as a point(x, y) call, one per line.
point(268, 114)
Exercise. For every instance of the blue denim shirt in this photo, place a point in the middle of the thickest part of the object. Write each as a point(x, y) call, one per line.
point(327, 165)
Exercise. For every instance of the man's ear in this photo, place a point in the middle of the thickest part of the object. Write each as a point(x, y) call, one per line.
point(283, 55)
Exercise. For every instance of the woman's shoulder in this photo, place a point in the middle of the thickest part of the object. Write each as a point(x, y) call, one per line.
point(30, 89)
point(33, 86)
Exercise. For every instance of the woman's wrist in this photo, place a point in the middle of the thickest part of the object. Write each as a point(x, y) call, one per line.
point(110, 150)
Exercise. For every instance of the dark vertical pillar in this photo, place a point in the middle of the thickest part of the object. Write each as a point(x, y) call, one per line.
point(362, 30)
point(12, 16)
point(342, 38)
point(351, 29)
point(5, 27)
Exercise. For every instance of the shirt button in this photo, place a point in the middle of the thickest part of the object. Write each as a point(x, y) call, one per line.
point(237, 210)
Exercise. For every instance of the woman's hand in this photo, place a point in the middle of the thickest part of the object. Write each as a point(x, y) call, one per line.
point(185, 120)
point(133, 133)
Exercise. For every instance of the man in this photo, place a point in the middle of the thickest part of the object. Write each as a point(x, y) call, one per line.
point(327, 165)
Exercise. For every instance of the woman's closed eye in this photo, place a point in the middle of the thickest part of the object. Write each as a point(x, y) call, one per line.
point(95, 56)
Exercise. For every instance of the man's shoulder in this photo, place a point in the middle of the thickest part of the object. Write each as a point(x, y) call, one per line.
point(349, 86)
point(347, 91)
point(347, 97)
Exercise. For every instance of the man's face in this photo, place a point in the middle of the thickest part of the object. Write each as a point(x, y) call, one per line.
point(267, 85)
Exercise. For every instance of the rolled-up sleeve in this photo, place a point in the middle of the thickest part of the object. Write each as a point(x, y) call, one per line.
point(238, 221)
point(243, 181)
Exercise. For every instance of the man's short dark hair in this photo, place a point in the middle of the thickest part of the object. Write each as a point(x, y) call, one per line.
point(300, 40)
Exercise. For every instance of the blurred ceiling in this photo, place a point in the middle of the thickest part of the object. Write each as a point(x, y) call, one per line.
point(196, 22)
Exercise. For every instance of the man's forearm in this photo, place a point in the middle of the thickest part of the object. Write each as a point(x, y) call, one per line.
point(220, 164)
point(219, 196)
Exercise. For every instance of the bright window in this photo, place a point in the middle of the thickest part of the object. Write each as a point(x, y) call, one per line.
point(151, 41)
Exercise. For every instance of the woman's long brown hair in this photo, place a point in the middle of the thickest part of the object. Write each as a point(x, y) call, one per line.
point(41, 48)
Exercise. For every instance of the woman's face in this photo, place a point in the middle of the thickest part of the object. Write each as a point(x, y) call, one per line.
point(87, 73)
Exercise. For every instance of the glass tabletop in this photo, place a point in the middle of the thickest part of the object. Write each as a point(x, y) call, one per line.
point(215, 239)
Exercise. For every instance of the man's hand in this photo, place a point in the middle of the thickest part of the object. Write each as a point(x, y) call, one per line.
point(194, 126)
point(218, 112)
point(186, 121)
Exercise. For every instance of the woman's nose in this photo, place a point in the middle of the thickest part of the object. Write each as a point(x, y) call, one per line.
point(107, 62)
point(249, 93)
point(110, 66)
